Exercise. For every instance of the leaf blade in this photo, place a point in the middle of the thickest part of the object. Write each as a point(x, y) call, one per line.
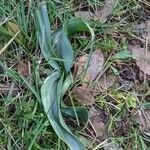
point(51, 94)
point(44, 37)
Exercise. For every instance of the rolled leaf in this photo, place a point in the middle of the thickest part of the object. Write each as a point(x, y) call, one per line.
point(44, 36)
point(51, 96)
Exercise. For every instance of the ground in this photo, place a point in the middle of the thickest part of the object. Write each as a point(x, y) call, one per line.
point(110, 74)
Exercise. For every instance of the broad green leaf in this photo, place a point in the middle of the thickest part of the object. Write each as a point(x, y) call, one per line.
point(63, 48)
point(58, 51)
point(67, 82)
point(44, 35)
point(51, 96)
point(75, 25)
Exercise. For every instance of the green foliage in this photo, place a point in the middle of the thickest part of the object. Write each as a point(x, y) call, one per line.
point(63, 48)
point(51, 93)
point(124, 54)
point(44, 35)
point(22, 119)
point(75, 25)
point(58, 51)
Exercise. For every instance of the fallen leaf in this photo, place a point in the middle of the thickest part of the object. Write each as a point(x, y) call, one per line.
point(128, 71)
point(142, 58)
point(103, 84)
point(82, 95)
point(84, 14)
point(13, 28)
point(143, 28)
point(101, 14)
point(107, 10)
point(79, 66)
point(23, 69)
point(107, 82)
point(98, 122)
point(143, 119)
point(95, 65)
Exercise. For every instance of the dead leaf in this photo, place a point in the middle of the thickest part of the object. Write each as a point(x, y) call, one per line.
point(98, 122)
point(101, 14)
point(103, 84)
point(23, 69)
point(107, 82)
point(84, 14)
point(142, 58)
point(143, 119)
point(79, 66)
point(13, 28)
point(83, 96)
point(144, 29)
point(96, 63)
point(107, 10)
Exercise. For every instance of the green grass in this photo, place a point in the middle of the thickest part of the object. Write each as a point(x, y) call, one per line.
point(23, 122)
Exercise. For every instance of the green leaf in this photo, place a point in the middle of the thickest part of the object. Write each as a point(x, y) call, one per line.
point(58, 51)
point(81, 112)
point(131, 101)
point(63, 48)
point(51, 96)
point(124, 54)
point(67, 82)
point(44, 36)
point(75, 25)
